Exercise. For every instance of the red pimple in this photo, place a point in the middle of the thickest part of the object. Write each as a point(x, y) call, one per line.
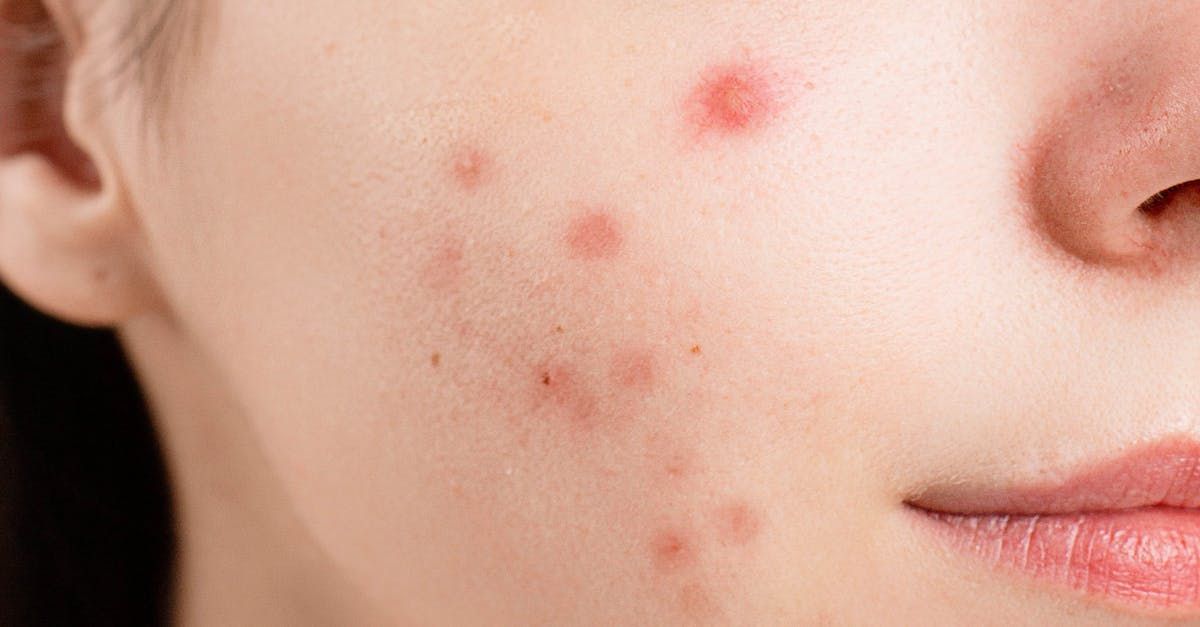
point(634, 368)
point(594, 235)
point(737, 523)
point(670, 550)
point(733, 99)
point(470, 167)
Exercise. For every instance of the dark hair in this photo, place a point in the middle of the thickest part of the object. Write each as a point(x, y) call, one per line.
point(86, 524)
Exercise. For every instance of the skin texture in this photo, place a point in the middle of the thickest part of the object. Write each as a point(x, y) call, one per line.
point(537, 313)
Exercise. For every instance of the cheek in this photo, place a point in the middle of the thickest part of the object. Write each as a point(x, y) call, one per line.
point(587, 397)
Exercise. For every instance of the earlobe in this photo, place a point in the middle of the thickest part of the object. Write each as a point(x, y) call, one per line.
point(66, 249)
point(69, 240)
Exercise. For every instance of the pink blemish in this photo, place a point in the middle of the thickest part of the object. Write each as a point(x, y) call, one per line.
point(444, 268)
point(670, 550)
point(561, 387)
point(595, 235)
point(733, 99)
point(470, 167)
point(634, 369)
point(737, 523)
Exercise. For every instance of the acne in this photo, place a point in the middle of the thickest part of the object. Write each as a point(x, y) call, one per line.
point(672, 550)
point(737, 523)
point(733, 99)
point(560, 387)
point(635, 369)
point(445, 265)
point(470, 167)
point(593, 235)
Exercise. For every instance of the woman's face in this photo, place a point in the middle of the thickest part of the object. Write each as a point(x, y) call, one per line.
point(660, 312)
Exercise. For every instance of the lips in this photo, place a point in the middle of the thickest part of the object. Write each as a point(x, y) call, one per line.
point(1126, 530)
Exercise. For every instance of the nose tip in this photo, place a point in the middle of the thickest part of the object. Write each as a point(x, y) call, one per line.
point(1112, 177)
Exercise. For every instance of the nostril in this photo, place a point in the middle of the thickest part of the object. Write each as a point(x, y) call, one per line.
point(1182, 194)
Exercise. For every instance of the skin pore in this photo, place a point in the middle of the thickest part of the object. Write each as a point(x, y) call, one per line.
point(590, 313)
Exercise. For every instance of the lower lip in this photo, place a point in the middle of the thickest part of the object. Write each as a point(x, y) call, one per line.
point(1143, 559)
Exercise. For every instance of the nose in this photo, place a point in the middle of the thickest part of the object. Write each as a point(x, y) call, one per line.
point(1111, 179)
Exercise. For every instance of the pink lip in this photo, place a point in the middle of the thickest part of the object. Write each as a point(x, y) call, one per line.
point(1125, 530)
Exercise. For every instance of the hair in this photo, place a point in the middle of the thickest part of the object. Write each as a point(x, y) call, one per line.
point(87, 531)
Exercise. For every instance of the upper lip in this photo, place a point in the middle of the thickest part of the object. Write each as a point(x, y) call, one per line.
point(1165, 473)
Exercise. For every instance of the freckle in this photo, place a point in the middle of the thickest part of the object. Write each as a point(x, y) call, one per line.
point(330, 48)
point(635, 369)
point(732, 99)
point(435, 360)
point(444, 267)
point(594, 235)
point(558, 328)
point(737, 523)
point(695, 349)
point(470, 167)
point(670, 550)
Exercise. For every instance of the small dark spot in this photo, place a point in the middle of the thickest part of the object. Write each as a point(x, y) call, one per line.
point(545, 378)
point(695, 349)
point(435, 359)
point(558, 328)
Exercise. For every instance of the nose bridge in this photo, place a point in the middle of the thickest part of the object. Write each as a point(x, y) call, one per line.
point(1109, 177)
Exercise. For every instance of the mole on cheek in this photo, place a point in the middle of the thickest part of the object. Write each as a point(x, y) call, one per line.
point(594, 235)
point(732, 99)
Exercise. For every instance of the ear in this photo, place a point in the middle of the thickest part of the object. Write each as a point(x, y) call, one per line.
point(70, 243)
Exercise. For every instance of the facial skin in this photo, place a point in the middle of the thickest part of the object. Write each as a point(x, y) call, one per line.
point(537, 313)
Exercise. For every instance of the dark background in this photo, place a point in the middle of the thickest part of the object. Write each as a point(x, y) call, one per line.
point(86, 531)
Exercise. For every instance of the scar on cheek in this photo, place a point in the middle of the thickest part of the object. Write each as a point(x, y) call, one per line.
point(593, 235)
point(469, 167)
point(733, 99)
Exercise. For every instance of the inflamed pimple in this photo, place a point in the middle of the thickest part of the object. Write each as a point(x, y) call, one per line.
point(671, 550)
point(733, 99)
